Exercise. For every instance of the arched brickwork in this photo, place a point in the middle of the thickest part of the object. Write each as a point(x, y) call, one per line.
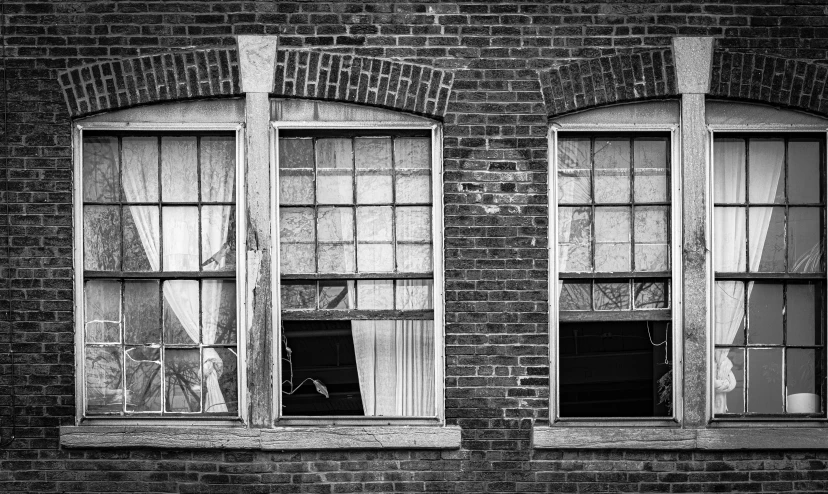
point(383, 83)
point(611, 79)
point(116, 84)
point(769, 79)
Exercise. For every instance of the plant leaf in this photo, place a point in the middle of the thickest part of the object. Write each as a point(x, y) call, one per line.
point(320, 388)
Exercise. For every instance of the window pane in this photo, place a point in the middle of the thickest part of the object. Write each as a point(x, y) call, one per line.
point(612, 170)
point(729, 171)
point(375, 257)
point(612, 296)
point(650, 162)
point(372, 152)
point(102, 238)
point(574, 171)
point(574, 239)
point(414, 258)
point(334, 179)
point(295, 153)
point(767, 239)
point(413, 223)
point(141, 232)
point(652, 247)
point(336, 294)
point(296, 171)
point(575, 295)
point(374, 187)
point(179, 168)
point(412, 152)
point(180, 238)
point(765, 380)
point(803, 171)
point(298, 295)
point(336, 240)
point(653, 294)
point(730, 312)
point(218, 312)
point(220, 381)
point(415, 294)
point(729, 381)
point(374, 233)
point(142, 312)
point(100, 169)
point(767, 177)
point(612, 239)
point(375, 294)
point(729, 239)
point(104, 379)
point(143, 379)
point(102, 311)
point(764, 313)
point(802, 315)
point(218, 238)
point(805, 248)
point(297, 235)
point(181, 315)
point(218, 168)
point(140, 181)
point(413, 186)
point(183, 375)
point(803, 389)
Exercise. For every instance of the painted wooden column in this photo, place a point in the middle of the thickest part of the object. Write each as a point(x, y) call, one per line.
point(257, 60)
point(693, 57)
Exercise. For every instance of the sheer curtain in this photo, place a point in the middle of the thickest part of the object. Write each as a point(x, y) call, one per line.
point(730, 229)
point(180, 254)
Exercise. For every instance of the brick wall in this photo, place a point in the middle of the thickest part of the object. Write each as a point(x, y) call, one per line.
point(501, 59)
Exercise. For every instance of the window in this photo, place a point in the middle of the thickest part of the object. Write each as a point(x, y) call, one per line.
point(769, 261)
point(359, 270)
point(158, 309)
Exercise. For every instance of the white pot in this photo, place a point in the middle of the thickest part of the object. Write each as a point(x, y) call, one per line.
point(803, 403)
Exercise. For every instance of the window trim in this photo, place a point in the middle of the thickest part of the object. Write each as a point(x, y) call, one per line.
point(676, 278)
point(78, 262)
point(437, 227)
point(746, 128)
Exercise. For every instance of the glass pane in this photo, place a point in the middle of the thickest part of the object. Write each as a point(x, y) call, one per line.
point(805, 248)
point(374, 224)
point(413, 187)
point(374, 187)
point(179, 228)
point(764, 313)
point(803, 171)
point(650, 163)
point(412, 152)
point(142, 312)
point(336, 294)
point(413, 223)
point(729, 171)
point(372, 152)
point(652, 248)
point(612, 239)
point(652, 294)
point(803, 389)
point(102, 238)
point(218, 312)
point(218, 238)
point(612, 170)
point(298, 295)
point(574, 239)
point(414, 258)
point(221, 389)
point(295, 153)
point(575, 295)
point(415, 294)
point(730, 313)
point(297, 247)
point(574, 171)
point(297, 258)
point(218, 168)
point(767, 177)
point(729, 381)
point(102, 310)
point(140, 181)
point(336, 258)
point(801, 314)
point(334, 180)
point(375, 257)
point(181, 312)
point(141, 242)
point(179, 169)
point(336, 240)
point(100, 169)
point(143, 379)
point(375, 294)
point(104, 379)
point(296, 186)
point(765, 380)
point(183, 380)
point(767, 239)
point(612, 296)
point(729, 239)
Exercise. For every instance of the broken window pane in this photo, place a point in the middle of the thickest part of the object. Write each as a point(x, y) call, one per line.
point(182, 370)
point(179, 228)
point(803, 171)
point(104, 379)
point(142, 312)
point(179, 169)
point(100, 169)
point(102, 310)
point(102, 238)
point(612, 170)
point(143, 379)
point(140, 180)
point(650, 161)
point(218, 168)
point(375, 294)
point(574, 171)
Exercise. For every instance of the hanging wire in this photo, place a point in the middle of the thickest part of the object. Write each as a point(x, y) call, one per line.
point(666, 339)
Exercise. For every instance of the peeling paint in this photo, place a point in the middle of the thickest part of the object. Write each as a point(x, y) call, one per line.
point(254, 262)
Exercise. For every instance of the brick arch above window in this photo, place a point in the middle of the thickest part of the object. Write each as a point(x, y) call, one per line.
point(116, 84)
point(619, 78)
point(368, 81)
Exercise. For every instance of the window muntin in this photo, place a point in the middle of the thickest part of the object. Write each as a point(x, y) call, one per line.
point(769, 287)
point(614, 275)
point(158, 242)
point(356, 250)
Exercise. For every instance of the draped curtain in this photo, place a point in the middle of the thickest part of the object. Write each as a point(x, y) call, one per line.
point(766, 160)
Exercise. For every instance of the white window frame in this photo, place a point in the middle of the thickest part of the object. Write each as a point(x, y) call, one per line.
point(438, 267)
point(676, 280)
point(241, 228)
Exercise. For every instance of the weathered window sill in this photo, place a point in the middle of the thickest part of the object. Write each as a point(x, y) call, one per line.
point(767, 438)
point(277, 439)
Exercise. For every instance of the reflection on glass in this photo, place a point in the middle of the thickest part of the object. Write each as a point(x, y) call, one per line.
point(574, 171)
point(764, 313)
point(218, 168)
point(612, 239)
point(575, 295)
point(140, 180)
point(298, 295)
point(100, 169)
point(102, 238)
point(415, 294)
point(140, 238)
point(218, 312)
point(767, 239)
point(575, 239)
point(181, 312)
point(803, 171)
point(652, 294)
point(179, 169)
point(336, 294)
point(142, 312)
point(104, 379)
point(218, 238)
point(179, 232)
point(767, 177)
point(375, 294)
point(220, 381)
point(102, 311)
point(805, 251)
point(802, 315)
point(650, 161)
point(728, 239)
point(765, 380)
point(182, 371)
point(611, 296)
point(729, 171)
point(612, 170)
point(143, 379)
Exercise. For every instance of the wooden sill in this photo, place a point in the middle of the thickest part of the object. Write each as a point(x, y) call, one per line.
point(276, 439)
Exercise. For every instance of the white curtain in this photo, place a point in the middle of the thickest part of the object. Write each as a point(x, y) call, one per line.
point(766, 168)
point(395, 363)
point(181, 254)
